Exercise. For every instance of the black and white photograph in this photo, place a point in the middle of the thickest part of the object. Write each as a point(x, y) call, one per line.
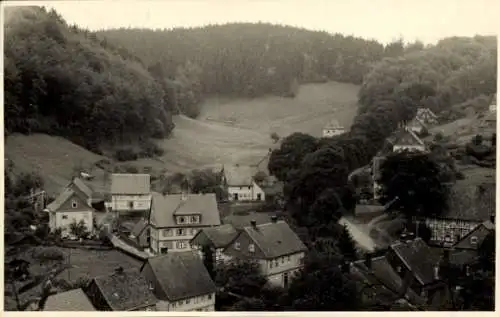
point(249, 155)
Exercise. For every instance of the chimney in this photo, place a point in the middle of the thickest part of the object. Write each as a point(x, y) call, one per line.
point(274, 219)
point(253, 223)
point(368, 260)
point(119, 270)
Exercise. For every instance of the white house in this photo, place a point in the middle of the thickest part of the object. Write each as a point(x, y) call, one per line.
point(175, 219)
point(333, 128)
point(130, 193)
point(180, 282)
point(69, 207)
point(275, 246)
point(240, 184)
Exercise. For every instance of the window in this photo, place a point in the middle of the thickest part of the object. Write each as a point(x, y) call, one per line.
point(180, 232)
point(288, 259)
point(130, 204)
point(473, 240)
point(181, 245)
point(282, 260)
point(209, 296)
point(74, 204)
point(398, 269)
point(64, 217)
point(237, 245)
point(188, 301)
point(271, 264)
point(195, 219)
point(249, 187)
point(251, 248)
point(167, 232)
point(182, 219)
point(151, 287)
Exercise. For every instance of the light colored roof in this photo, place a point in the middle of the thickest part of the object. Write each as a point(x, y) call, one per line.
point(275, 239)
point(239, 175)
point(60, 200)
point(73, 300)
point(82, 186)
point(182, 275)
point(333, 124)
point(165, 207)
point(426, 110)
point(132, 184)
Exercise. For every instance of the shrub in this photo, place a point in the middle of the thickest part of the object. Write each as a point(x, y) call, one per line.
point(124, 155)
point(150, 149)
point(48, 254)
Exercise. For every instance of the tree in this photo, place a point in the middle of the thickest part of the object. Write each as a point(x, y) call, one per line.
point(289, 155)
point(415, 179)
point(347, 245)
point(242, 278)
point(275, 137)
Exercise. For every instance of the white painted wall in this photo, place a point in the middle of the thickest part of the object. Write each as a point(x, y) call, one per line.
point(64, 219)
point(246, 193)
point(169, 237)
point(286, 264)
point(398, 148)
point(328, 133)
point(198, 303)
point(122, 202)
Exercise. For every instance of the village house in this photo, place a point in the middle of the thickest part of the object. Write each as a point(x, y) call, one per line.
point(124, 290)
point(332, 129)
point(175, 219)
point(130, 193)
point(468, 207)
point(406, 139)
point(240, 184)
point(217, 238)
point(274, 246)
point(181, 282)
point(73, 300)
point(427, 116)
point(72, 206)
point(140, 233)
point(417, 126)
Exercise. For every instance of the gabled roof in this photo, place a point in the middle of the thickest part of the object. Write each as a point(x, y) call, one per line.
point(61, 199)
point(73, 300)
point(130, 184)
point(427, 111)
point(238, 175)
point(181, 275)
point(127, 290)
point(407, 137)
point(239, 221)
point(275, 239)
point(416, 122)
point(419, 258)
point(220, 236)
point(82, 187)
point(165, 207)
point(333, 124)
point(479, 233)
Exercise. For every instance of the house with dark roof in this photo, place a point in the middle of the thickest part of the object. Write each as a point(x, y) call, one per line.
point(175, 219)
point(130, 193)
point(468, 207)
point(414, 258)
point(406, 139)
point(217, 238)
point(275, 246)
point(140, 233)
point(180, 281)
point(427, 116)
point(73, 300)
point(124, 290)
point(81, 189)
point(240, 184)
point(70, 207)
point(332, 129)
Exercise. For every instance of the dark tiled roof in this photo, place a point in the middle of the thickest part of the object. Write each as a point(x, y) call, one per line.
point(125, 291)
point(468, 203)
point(164, 207)
point(221, 236)
point(419, 258)
point(241, 221)
point(139, 227)
point(73, 300)
point(60, 199)
point(479, 234)
point(181, 275)
point(130, 184)
point(275, 239)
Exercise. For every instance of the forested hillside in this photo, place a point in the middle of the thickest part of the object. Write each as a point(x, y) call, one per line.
point(62, 80)
point(248, 60)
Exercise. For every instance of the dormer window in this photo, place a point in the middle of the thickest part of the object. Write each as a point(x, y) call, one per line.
point(237, 246)
point(74, 204)
point(251, 248)
point(473, 240)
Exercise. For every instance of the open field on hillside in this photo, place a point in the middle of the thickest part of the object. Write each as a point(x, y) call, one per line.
point(202, 143)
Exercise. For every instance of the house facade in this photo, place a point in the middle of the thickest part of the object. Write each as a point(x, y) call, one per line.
point(175, 219)
point(130, 193)
point(427, 116)
point(217, 238)
point(180, 282)
point(68, 208)
point(332, 129)
point(240, 184)
point(274, 246)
